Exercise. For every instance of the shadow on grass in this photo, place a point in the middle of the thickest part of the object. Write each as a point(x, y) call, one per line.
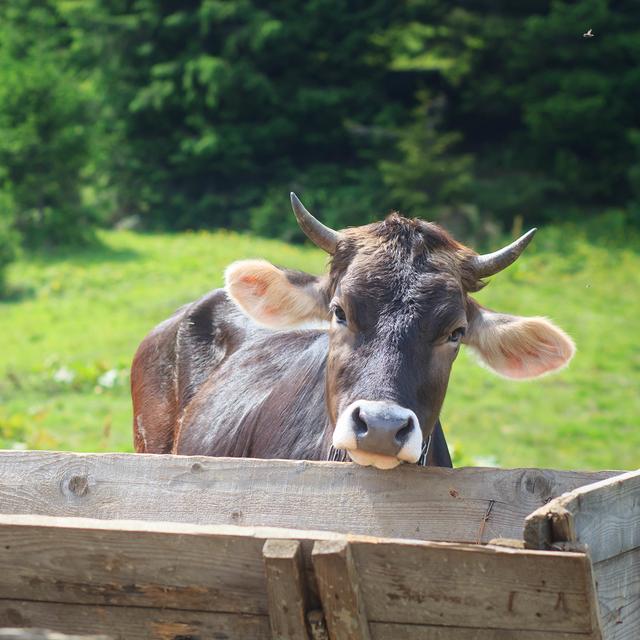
point(17, 294)
point(93, 253)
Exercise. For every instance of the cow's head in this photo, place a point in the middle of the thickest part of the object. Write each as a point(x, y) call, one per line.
point(397, 300)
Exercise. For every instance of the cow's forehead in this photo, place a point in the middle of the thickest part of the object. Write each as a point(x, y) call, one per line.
point(402, 254)
point(401, 286)
point(402, 268)
point(396, 294)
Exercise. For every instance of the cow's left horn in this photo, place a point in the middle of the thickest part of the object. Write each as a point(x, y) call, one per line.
point(322, 236)
point(491, 263)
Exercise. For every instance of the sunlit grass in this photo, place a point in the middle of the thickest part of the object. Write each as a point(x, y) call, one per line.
point(69, 332)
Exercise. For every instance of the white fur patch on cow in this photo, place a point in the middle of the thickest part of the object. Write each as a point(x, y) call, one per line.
point(141, 431)
point(517, 347)
point(344, 435)
point(412, 448)
point(265, 294)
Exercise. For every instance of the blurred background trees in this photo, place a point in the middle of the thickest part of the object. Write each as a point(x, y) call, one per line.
point(45, 128)
point(206, 113)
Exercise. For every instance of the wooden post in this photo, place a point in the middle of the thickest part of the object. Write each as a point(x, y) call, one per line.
point(339, 590)
point(604, 519)
point(286, 589)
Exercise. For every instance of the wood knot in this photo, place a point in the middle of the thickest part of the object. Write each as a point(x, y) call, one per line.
point(14, 618)
point(196, 467)
point(537, 484)
point(78, 485)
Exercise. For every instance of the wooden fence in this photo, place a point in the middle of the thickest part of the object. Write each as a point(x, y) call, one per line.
point(192, 548)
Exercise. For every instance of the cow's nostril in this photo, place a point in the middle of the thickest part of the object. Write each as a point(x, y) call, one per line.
point(402, 434)
point(359, 425)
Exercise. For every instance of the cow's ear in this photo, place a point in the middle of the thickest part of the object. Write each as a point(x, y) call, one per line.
point(515, 346)
point(273, 297)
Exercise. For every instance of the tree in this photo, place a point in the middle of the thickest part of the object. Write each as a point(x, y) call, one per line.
point(220, 105)
point(44, 126)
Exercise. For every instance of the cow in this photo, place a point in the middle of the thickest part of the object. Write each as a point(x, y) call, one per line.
point(351, 365)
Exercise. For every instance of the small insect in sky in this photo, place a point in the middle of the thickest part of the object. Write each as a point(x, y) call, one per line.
point(589, 34)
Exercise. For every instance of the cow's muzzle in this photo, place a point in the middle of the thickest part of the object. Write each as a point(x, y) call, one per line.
point(382, 434)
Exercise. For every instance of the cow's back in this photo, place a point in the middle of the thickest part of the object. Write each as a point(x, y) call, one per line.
point(174, 360)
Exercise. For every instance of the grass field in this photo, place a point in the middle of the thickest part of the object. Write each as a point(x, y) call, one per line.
point(69, 332)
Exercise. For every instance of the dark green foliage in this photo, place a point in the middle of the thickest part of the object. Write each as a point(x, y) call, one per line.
point(44, 126)
point(223, 105)
point(466, 112)
point(431, 176)
point(546, 114)
point(206, 113)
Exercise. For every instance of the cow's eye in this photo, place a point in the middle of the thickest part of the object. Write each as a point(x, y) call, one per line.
point(457, 335)
point(340, 315)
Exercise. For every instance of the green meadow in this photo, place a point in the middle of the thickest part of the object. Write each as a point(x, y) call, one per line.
point(74, 319)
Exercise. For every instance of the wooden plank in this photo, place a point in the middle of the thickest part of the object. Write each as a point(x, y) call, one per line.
point(286, 589)
point(342, 602)
point(442, 584)
point(618, 588)
point(134, 623)
point(168, 565)
point(43, 634)
point(384, 631)
point(466, 505)
point(603, 515)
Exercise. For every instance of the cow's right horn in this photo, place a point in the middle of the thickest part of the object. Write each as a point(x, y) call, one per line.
point(491, 263)
point(321, 236)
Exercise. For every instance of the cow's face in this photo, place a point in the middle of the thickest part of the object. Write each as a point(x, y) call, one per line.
point(396, 300)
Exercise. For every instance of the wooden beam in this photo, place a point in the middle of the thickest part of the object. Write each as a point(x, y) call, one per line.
point(286, 589)
point(187, 571)
point(618, 587)
point(143, 564)
point(43, 634)
point(133, 623)
point(603, 515)
point(463, 505)
point(387, 631)
point(342, 602)
point(438, 584)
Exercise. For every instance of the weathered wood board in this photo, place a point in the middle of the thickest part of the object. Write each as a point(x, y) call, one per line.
point(461, 505)
point(385, 631)
point(134, 623)
point(602, 518)
point(340, 591)
point(86, 576)
point(138, 564)
point(43, 634)
point(180, 580)
point(286, 589)
point(466, 586)
point(604, 515)
point(182, 547)
point(618, 588)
